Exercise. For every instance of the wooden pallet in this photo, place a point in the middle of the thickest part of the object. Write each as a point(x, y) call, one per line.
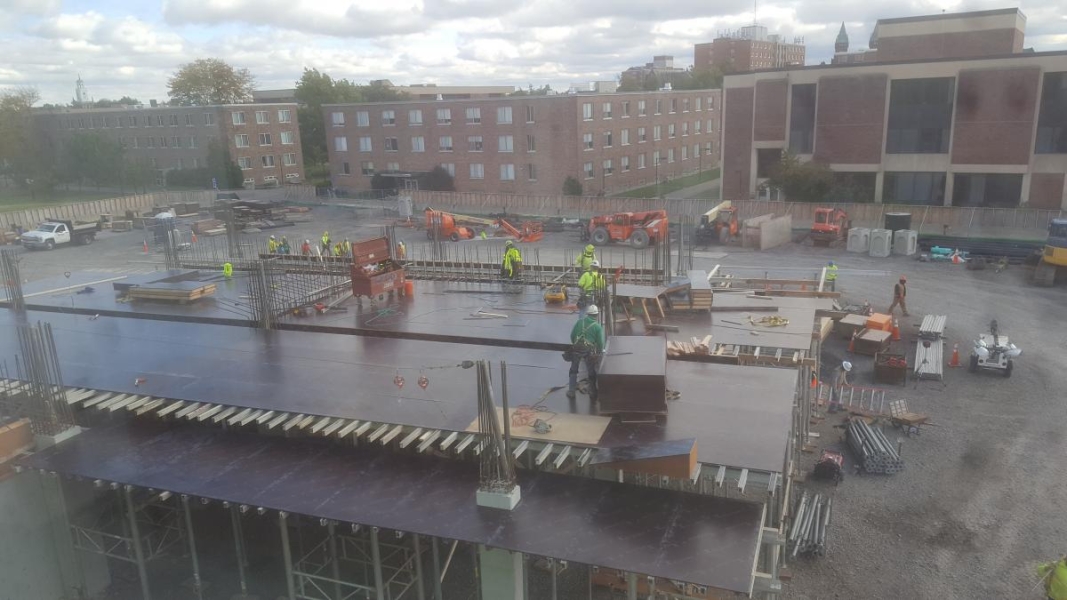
point(171, 295)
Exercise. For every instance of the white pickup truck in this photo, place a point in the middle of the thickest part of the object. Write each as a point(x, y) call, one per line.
point(50, 234)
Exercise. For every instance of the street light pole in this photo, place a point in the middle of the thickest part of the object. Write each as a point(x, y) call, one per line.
point(657, 177)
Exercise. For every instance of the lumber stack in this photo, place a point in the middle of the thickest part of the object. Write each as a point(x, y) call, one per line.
point(181, 294)
point(694, 347)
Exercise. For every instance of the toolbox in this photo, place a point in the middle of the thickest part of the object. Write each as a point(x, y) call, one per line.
point(890, 368)
point(374, 272)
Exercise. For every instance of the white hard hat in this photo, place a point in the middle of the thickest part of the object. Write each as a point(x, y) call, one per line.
point(592, 310)
point(272, 237)
point(595, 263)
point(847, 366)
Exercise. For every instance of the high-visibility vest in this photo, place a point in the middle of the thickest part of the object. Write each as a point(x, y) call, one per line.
point(592, 281)
point(831, 273)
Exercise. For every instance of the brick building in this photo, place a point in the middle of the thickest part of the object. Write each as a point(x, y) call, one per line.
point(983, 131)
point(528, 144)
point(263, 139)
point(748, 49)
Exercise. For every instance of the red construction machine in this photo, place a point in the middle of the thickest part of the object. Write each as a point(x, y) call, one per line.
point(640, 228)
point(831, 225)
point(443, 225)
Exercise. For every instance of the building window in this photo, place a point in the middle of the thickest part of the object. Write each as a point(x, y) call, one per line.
point(174, 120)
point(159, 120)
point(340, 143)
point(285, 115)
point(606, 110)
point(674, 105)
point(262, 118)
point(626, 109)
point(175, 141)
point(685, 152)
point(685, 128)
point(670, 130)
point(801, 119)
point(289, 159)
point(531, 172)
point(287, 138)
point(641, 161)
point(238, 118)
point(587, 111)
point(444, 116)
point(507, 172)
point(506, 143)
point(697, 104)
point(248, 180)
point(624, 163)
point(587, 168)
point(240, 140)
point(474, 115)
point(531, 143)
point(188, 120)
point(264, 139)
point(366, 167)
point(670, 155)
point(388, 117)
point(268, 160)
point(655, 158)
point(338, 119)
point(346, 169)
point(685, 104)
point(696, 150)
point(477, 171)
point(196, 163)
point(450, 167)
point(987, 189)
point(641, 135)
point(445, 143)
point(415, 116)
point(587, 141)
point(607, 139)
point(152, 142)
point(920, 115)
point(181, 164)
point(659, 107)
point(475, 144)
point(392, 145)
point(657, 133)
point(418, 144)
point(503, 115)
point(366, 144)
point(392, 167)
point(696, 127)
point(362, 119)
point(244, 162)
point(608, 169)
point(1052, 118)
point(624, 137)
point(711, 101)
point(133, 142)
point(209, 119)
point(529, 114)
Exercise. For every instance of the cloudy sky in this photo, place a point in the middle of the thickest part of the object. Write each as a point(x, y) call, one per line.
point(129, 47)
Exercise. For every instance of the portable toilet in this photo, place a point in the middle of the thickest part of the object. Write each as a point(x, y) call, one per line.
point(881, 242)
point(859, 240)
point(905, 242)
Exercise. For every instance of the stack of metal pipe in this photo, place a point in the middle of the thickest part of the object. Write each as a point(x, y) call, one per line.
point(811, 519)
point(872, 449)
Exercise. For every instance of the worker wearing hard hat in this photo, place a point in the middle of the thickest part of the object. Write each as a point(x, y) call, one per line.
point(1054, 574)
point(590, 284)
point(831, 276)
point(900, 296)
point(305, 248)
point(512, 263)
point(586, 258)
point(841, 381)
point(272, 245)
point(587, 344)
point(283, 246)
point(326, 243)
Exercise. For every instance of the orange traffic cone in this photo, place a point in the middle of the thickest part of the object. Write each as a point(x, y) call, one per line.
point(896, 330)
point(955, 362)
point(852, 344)
point(145, 246)
point(194, 237)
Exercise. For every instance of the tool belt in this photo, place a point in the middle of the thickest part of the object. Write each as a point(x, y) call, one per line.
point(579, 350)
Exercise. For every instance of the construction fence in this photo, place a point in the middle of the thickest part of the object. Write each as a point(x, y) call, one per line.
point(91, 211)
point(925, 219)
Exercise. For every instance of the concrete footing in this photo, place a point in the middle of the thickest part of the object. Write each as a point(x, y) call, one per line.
point(502, 500)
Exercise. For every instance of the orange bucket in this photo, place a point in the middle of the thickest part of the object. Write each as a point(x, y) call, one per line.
point(409, 288)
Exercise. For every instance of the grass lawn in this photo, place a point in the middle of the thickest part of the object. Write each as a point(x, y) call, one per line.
point(649, 191)
point(15, 199)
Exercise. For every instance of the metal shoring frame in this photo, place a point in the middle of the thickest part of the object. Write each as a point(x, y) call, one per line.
point(376, 556)
point(197, 584)
point(135, 534)
point(335, 567)
point(166, 522)
point(417, 548)
point(631, 586)
point(436, 571)
point(239, 547)
point(311, 584)
point(287, 553)
point(398, 563)
point(552, 566)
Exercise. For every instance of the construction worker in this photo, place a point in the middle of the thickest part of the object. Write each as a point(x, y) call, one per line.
point(587, 343)
point(305, 248)
point(326, 243)
point(283, 246)
point(840, 383)
point(591, 283)
point(831, 276)
point(900, 296)
point(401, 251)
point(512, 264)
point(586, 258)
point(272, 245)
point(227, 270)
point(347, 248)
point(338, 249)
point(1056, 573)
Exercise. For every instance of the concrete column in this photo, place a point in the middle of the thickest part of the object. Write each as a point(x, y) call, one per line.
point(879, 186)
point(502, 573)
point(950, 179)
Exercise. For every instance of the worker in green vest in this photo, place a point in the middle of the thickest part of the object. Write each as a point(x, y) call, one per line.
point(326, 243)
point(227, 270)
point(586, 258)
point(590, 285)
point(831, 276)
point(512, 264)
point(1054, 574)
point(587, 344)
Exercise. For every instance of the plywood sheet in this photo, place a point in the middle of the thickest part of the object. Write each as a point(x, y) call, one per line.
point(566, 428)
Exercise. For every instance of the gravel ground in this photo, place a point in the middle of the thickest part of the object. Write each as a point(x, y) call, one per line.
point(981, 499)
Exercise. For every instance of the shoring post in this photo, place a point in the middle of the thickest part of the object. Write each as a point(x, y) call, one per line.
point(287, 554)
point(135, 535)
point(197, 584)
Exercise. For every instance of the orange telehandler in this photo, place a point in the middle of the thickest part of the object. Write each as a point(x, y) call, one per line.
point(443, 225)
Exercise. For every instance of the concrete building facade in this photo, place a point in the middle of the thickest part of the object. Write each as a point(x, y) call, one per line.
point(528, 144)
point(748, 49)
point(971, 132)
point(263, 139)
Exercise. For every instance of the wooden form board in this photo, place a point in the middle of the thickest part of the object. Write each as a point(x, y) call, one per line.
point(568, 429)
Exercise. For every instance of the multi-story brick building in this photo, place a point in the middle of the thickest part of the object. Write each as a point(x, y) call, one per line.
point(748, 49)
point(528, 144)
point(263, 139)
point(983, 131)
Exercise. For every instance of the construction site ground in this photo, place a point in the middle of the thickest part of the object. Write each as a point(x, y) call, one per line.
point(979, 503)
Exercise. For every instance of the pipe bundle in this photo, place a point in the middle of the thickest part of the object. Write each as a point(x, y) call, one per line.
point(872, 449)
point(810, 522)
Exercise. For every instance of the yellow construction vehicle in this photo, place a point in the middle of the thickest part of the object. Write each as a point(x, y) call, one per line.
point(718, 225)
point(1053, 261)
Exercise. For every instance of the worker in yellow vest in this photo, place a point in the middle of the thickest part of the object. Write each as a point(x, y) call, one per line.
point(326, 243)
point(272, 245)
point(512, 264)
point(347, 248)
point(1055, 576)
point(591, 284)
point(831, 276)
point(586, 258)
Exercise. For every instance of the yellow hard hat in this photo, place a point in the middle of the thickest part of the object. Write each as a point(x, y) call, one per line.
point(590, 248)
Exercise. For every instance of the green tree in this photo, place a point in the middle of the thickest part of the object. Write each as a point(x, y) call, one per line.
point(571, 186)
point(138, 174)
point(123, 101)
point(801, 181)
point(92, 157)
point(222, 168)
point(438, 180)
point(705, 79)
point(651, 82)
point(207, 81)
point(629, 83)
point(24, 157)
point(544, 90)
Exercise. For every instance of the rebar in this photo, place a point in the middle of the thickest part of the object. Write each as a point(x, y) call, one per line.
point(495, 469)
point(9, 270)
point(45, 397)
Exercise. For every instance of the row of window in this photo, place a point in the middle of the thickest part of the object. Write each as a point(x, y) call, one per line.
point(265, 139)
point(658, 158)
point(608, 137)
point(262, 117)
point(477, 170)
point(270, 178)
point(607, 108)
point(174, 141)
point(267, 161)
